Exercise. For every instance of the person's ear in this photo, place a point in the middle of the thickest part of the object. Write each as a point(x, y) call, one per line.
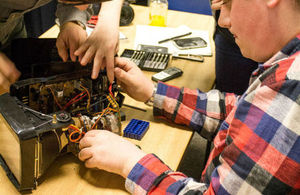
point(272, 3)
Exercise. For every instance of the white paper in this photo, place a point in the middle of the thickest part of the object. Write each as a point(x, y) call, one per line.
point(150, 35)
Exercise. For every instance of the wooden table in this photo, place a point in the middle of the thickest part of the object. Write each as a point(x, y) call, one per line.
point(169, 141)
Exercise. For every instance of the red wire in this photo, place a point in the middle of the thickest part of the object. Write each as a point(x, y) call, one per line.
point(71, 127)
point(79, 98)
point(74, 100)
point(109, 89)
point(76, 96)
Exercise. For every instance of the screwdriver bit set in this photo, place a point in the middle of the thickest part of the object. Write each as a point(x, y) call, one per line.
point(146, 60)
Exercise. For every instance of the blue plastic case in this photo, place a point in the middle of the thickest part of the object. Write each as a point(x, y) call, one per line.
point(136, 129)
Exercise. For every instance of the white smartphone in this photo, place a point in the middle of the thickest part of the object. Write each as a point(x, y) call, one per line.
point(190, 43)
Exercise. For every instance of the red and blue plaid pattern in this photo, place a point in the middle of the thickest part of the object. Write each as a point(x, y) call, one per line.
point(256, 135)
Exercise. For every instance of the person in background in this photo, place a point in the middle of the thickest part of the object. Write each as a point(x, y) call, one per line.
point(103, 41)
point(256, 138)
point(232, 69)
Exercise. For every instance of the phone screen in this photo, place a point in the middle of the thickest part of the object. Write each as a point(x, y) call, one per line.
point(190, 43)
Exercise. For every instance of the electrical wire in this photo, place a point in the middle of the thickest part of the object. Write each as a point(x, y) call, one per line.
point(101, 114)
point(101, 100)
point(75, 99)
point(115, 105)
point(54, 97)
point(110, 90)
point(89, 100)
point(72, 129)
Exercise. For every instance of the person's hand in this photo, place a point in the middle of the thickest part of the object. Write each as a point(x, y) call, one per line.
point(107, 151)
point(101, 46)
point(8, 73)
point(132, 80)
point(71, 36)
point(216, 4)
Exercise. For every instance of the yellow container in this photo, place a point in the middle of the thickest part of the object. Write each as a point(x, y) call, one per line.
point(158, 12)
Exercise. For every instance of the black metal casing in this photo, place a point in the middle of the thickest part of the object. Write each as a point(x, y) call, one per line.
point(31, 140)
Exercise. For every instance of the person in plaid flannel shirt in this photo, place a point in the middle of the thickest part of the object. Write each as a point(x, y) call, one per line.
point(256, 135)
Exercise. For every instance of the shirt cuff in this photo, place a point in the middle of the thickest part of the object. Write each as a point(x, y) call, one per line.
point(144, 174)
point(164, 93)
point(158, 96)
point(69, 13)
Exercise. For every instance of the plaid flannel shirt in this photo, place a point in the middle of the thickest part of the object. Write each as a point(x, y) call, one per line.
point(256, 142)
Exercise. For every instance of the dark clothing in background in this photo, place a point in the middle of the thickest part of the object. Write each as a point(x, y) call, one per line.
point(12, 17)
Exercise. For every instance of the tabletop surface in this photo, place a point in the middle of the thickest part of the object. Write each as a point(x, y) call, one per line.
point(67, 175)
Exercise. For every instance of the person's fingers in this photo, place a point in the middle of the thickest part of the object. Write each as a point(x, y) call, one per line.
point(123, 63)
point(90, 163)
point(92, 133)
point(122, 76)
point(120, 83)
point(103, 64)
point(62, 50)
point(110, 65)
point(85, 154)
point(8, 69)
point(97, 65)
point(73, 47)
point(82, 49)
point(89, 54)
point(86, 142)
point(4, 83)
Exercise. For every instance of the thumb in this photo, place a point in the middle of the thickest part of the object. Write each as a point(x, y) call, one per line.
point(122, 76)
point(123, 63)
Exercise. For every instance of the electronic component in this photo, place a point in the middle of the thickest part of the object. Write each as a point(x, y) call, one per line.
point(136, 129)
point(63, 116)
point(150, 61)
point(50, 109)
point(169, 73)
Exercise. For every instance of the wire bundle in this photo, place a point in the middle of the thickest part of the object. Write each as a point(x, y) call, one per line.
point(75, 134)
